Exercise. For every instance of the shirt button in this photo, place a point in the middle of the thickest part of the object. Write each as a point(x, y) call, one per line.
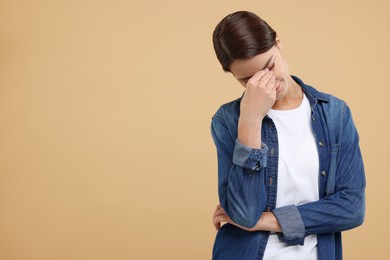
point(270, 181)
point(323, 173)
point(321, 143)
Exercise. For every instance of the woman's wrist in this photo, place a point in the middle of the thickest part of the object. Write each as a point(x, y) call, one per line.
point(248, 132)
point(268, 222)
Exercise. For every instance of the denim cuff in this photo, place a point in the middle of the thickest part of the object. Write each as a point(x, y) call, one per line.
point(291, 222)
point(248, 157)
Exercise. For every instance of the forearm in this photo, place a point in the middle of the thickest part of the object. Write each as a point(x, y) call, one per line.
point(241, 169)
point(243, 198)
point(319, 216)
point(267, 222)
point(249, 132)
point(337, 213)
point(342, 211)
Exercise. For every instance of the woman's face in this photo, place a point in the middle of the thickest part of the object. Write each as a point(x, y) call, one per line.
point(273, 59)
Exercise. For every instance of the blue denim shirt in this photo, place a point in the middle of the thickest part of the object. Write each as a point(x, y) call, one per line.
point(247, 181)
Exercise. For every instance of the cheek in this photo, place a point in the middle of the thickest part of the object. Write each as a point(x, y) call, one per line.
point(285, 67)
point(280, 71)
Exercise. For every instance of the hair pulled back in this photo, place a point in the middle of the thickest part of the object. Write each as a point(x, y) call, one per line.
point(241, 35)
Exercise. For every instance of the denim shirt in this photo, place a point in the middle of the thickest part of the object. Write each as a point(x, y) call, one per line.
point(247, 181)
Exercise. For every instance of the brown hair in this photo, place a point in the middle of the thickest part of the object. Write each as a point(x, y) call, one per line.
point(241, 35)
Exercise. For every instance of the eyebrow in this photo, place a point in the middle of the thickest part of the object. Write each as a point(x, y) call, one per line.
point(265, 66)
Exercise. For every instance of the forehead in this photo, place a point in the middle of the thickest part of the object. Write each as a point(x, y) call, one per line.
point(248, 67)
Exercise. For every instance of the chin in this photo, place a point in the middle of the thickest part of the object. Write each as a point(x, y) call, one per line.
point(279, 97)
point(282, 92)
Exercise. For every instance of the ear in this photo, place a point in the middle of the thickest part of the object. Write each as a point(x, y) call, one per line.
point(278, 43)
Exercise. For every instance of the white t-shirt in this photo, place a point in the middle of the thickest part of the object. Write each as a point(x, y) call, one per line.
point(297, 175)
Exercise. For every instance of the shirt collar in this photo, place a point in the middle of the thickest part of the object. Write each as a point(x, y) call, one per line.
point(312, 93)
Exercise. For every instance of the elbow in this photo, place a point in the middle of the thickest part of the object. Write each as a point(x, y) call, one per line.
point(354, 210)
point(360, 212)
point(357, 217)
point(356, 220)
point(360, 221)
point(246, 222)
point(247, 218)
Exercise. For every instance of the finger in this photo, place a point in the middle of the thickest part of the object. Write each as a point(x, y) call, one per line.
point(271, 83)
point(265, 79)
point(258, 75)
point(219, 207)
point(217, 221)
point(221, 211)
point(217, 225)
point(223, 217)
point(273, 89)
point(218, 212)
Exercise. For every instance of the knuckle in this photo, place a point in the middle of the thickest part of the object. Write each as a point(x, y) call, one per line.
point(250, 83)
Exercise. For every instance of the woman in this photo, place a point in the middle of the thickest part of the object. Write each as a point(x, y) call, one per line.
point(290, 171)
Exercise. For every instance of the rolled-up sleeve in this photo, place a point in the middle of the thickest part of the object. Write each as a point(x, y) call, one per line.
point(248, 157)
point(241, 169)
point(291, 222)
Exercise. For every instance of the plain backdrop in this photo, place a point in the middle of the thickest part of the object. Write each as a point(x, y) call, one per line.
point(105, 112)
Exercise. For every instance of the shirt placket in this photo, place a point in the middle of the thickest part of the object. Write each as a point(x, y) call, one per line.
point(271, 139)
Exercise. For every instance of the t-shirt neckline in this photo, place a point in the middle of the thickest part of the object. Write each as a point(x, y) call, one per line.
point(289, 111)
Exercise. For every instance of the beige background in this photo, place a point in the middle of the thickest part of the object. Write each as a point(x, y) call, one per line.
point(105, 109)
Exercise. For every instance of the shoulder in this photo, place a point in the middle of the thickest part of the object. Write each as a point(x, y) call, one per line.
point(329, 102)
point(334, 104)
point(226, 118)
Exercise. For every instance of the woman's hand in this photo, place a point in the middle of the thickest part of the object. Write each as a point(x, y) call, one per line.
point(267, 221)
point(259, 96)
